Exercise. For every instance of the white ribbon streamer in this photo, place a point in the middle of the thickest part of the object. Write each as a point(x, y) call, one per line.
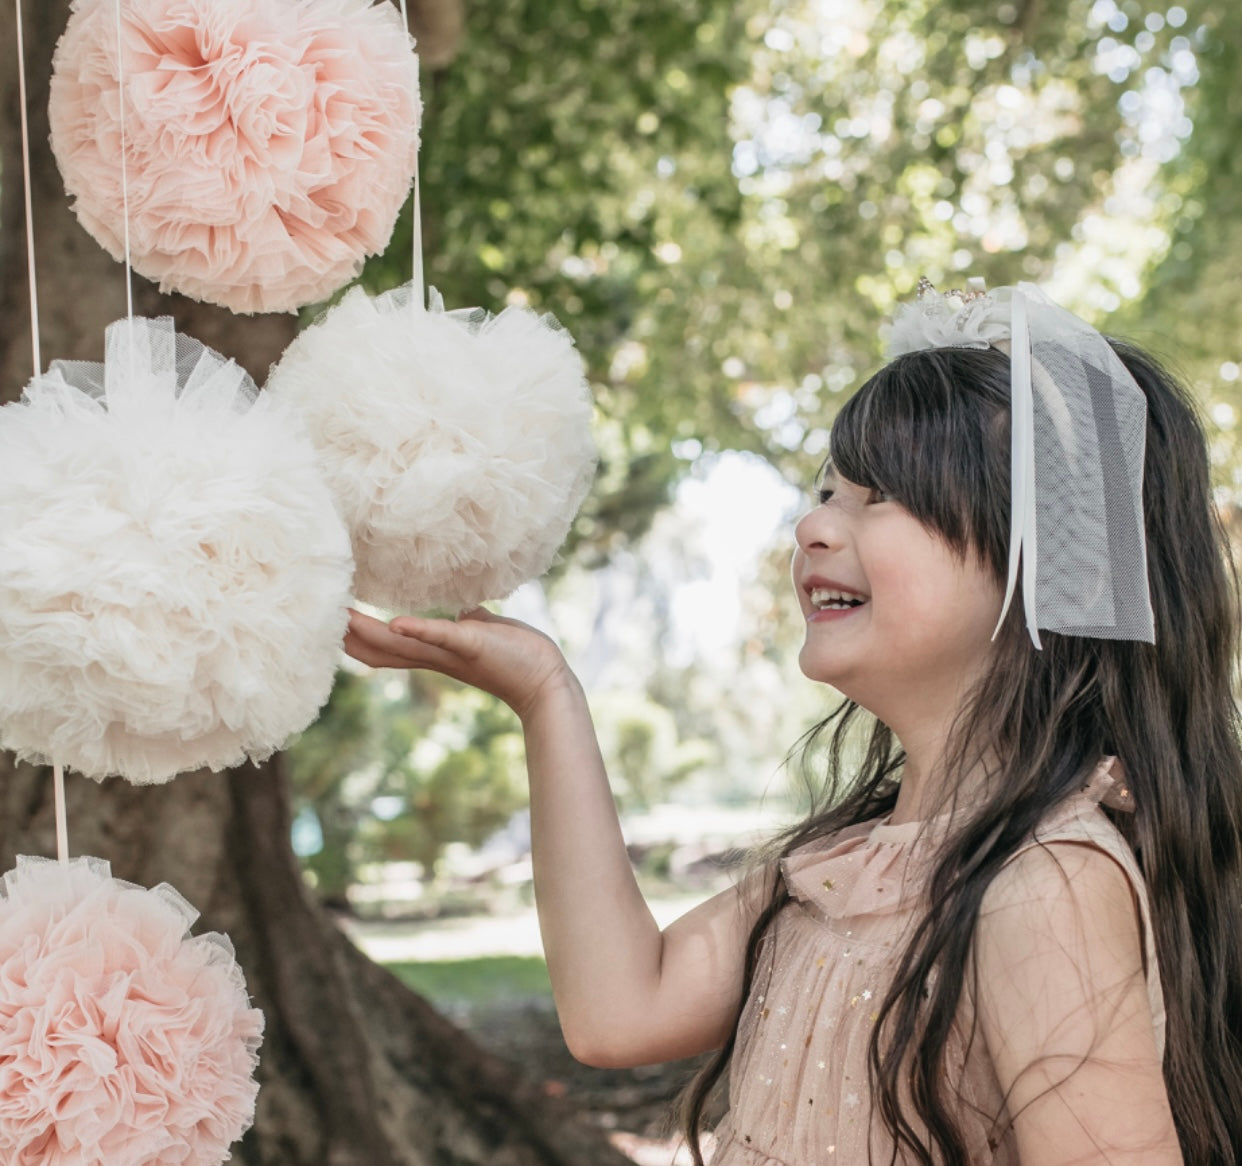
point(1022, 536)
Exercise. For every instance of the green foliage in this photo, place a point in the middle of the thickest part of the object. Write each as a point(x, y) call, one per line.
point(444, 764)
point(459, 777)
point(1192, 310)
point(336, 745)
point(1205, 191)
point(723, 200)
point(649, 758)
point(907, 139)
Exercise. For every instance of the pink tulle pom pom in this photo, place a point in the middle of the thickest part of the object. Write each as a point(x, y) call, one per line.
point(123, 1041)
point(270, 143)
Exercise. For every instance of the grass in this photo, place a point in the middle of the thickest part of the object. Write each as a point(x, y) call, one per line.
point(481, 981)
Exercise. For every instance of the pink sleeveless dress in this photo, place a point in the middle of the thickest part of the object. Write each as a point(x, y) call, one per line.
point(798, 1085)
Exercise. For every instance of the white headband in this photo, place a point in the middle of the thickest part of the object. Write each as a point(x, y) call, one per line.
point(1078, 434)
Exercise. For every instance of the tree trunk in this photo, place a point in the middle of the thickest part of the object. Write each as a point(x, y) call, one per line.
point(355, 1070)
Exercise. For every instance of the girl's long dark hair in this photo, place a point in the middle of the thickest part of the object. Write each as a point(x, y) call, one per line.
point(1166, 710)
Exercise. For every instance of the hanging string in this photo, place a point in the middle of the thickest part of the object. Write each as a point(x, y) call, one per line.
point(120, 85)
point(62, 825)
point(58, 772)
point(32, 279)
point(416, 278)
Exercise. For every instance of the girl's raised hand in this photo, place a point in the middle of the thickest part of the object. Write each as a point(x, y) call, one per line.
point(505, 657)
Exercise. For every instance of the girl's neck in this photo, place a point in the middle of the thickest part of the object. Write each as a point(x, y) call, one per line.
point(925, 788)
point(915, 800)
point(923, 724)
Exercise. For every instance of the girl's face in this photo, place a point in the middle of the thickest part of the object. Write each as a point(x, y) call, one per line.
point(895, 619)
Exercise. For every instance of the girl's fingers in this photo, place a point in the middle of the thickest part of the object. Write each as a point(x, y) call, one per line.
point(363, 625)
point(432, 636)
point(501, 656)
point(364, 653)
point(430, 631)
point(373, 642)
point(368, 650)
point(435, 661)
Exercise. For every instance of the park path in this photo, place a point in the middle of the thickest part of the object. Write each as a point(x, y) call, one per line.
point(474, 936)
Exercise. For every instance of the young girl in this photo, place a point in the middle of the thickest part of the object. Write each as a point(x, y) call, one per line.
point(1012, 932)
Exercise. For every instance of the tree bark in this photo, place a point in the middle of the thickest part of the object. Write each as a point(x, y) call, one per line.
point(355, 1069)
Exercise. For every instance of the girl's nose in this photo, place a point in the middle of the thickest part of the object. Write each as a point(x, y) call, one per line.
point(814, 530)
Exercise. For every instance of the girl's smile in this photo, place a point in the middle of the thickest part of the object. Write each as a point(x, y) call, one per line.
point(830, 600)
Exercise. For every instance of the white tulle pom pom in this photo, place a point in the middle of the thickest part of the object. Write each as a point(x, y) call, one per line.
point(173, 572)
point(124, 1041)
point(270, 144)
point(458, 444)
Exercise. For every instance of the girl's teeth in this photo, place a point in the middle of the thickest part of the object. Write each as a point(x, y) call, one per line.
point(833, 600)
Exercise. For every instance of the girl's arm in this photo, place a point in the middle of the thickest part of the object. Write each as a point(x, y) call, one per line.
point(1064, 1009)
point(626, 993)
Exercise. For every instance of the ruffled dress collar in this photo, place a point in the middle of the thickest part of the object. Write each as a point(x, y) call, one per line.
point(877, 868)
point(869, 869)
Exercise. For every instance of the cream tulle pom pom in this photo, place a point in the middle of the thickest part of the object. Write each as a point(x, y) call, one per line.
point(270, 143)
point(173, 572)
point(124, 1041)
point(458, 444)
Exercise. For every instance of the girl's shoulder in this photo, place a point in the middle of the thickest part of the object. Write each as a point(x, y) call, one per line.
point(1075, 846)
point(1070, 887)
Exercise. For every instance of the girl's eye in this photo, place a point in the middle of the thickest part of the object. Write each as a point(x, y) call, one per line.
point(824, 494)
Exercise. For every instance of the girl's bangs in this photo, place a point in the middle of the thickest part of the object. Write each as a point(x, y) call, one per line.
point(931, 429)
point(872, 437)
